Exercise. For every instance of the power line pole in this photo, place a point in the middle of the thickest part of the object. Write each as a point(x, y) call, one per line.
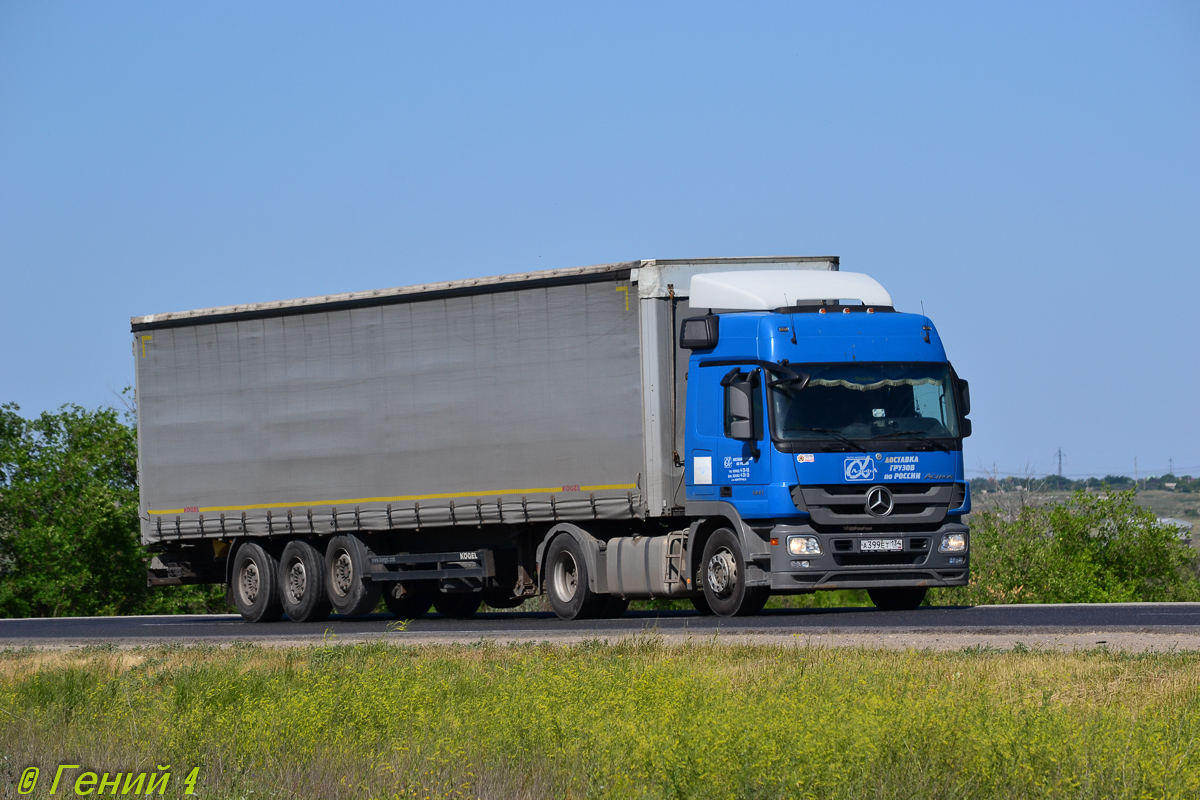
point(1171, 465)
point(1060, 455)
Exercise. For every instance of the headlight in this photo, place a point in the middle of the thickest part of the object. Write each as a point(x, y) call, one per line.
point(953, 543)
point(804, 546)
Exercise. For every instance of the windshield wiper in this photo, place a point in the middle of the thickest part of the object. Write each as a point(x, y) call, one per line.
point(835, 435)
point(934, 440)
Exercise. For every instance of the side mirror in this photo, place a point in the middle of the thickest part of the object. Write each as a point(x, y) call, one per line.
point(699, 333)
point(965, 425)
point(964, 397)
point(740, 394)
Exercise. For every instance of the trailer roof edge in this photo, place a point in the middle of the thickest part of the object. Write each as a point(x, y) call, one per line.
point(407, 294)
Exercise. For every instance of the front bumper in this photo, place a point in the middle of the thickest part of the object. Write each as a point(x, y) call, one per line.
point(843, 565)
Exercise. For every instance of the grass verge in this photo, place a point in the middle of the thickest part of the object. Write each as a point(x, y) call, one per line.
point(636, 719)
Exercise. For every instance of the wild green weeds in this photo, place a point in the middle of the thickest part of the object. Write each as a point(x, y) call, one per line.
point(1094, 548)
point(638, 719)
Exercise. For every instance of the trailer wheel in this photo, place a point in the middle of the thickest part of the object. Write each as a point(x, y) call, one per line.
point(302, 583)
point(900, 598)
point(567, 581)
point(255, 577)
point(457, 605)
point(350, 593)
point(723, 574)
point(406, 601)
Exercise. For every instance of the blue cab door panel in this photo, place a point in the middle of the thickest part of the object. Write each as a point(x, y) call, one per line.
point(739, 470)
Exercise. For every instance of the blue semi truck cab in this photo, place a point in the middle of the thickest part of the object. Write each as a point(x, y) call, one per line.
point(827, 427)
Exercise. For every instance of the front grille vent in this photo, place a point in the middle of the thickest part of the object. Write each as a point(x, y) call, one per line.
point(915, 505)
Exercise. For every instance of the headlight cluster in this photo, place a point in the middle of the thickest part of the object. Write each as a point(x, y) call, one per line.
point(803, 546)
point(953, 543)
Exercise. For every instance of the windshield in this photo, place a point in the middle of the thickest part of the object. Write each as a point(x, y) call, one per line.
point(866, 401)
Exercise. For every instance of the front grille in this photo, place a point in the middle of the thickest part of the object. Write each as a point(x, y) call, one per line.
point(915, 504)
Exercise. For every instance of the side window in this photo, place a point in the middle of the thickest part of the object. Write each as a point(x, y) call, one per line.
point(737, 386)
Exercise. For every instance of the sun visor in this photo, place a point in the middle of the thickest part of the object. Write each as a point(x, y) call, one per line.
point(758, 290)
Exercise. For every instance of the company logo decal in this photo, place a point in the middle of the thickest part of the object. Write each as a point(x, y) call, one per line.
point(806, 458)
point(879, 501)
point(860, 468)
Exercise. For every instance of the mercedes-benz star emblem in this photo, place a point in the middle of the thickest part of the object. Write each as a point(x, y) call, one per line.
point(879, 501)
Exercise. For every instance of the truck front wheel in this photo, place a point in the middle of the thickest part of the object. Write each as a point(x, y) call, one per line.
point(346, 567)
point(255, 582)
point(567, 581)
point(723, 575)
point(302, 583)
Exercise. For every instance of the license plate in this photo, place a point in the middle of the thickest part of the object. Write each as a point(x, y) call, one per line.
point(869, 545)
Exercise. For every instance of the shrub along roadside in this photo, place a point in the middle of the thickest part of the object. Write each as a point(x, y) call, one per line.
point(69, 539)
point(1094, 548)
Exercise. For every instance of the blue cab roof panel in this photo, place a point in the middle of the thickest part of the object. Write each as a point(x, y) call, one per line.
point(833, 337)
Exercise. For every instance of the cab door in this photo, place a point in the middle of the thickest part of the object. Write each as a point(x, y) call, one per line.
point(729, 445)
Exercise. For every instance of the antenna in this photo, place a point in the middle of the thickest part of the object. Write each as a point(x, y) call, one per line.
point(1060, 456)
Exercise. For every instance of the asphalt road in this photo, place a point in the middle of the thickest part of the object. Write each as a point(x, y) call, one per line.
point(1180, 620)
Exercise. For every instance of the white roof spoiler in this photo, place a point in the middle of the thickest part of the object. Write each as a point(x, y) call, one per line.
point(759, 290)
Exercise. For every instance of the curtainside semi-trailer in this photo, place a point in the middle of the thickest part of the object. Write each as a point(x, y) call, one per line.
point(714, 429)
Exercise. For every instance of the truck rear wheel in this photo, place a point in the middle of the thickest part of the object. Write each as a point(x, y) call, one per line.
point(255, 581)
point(407, 602)
point(302, 583)
point(899, 598)
point(567, 581)
point(457, 605)
point(723, 575)
point(350, 593)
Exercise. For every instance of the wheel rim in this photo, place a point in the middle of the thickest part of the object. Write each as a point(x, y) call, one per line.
point(722, 573)
point(248, 583)
point(297, 580)
point(566, 576)
point(343, 574)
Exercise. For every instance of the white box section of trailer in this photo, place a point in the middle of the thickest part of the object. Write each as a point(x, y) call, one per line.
point(521, 398)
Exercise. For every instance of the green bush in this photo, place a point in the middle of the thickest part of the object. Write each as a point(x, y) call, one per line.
point(69, 536)
point(1094, 548)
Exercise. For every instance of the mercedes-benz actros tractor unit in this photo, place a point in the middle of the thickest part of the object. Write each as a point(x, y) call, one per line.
point(714, 429)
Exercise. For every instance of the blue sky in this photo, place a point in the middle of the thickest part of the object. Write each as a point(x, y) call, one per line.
point(1029, 172)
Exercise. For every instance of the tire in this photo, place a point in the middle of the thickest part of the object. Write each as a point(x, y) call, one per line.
point(407, 601)
point(700, 603)
point(350, 593)
point(302, 583)
point(255, 581)
point(901, 598)
point(567, 581)
point(723, 575)
point(614, 606)
point(457, 605)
